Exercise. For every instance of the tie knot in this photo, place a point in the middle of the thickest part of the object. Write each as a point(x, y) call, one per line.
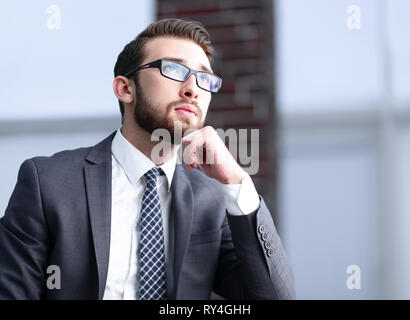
point(151, 175)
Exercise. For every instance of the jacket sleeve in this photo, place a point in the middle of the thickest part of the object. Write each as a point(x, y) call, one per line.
point(24, 239)
point(252, 262)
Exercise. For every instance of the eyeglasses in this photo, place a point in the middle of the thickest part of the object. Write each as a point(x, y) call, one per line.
point(178, 72)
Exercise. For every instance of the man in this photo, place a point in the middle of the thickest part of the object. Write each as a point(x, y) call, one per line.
point(120, 221)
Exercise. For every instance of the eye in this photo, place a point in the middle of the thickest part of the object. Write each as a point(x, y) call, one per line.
point(215, 83)
point(170, 67)
point(204, 78)
point(173, 68)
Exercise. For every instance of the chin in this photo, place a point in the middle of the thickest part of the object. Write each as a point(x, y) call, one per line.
point(186, 123)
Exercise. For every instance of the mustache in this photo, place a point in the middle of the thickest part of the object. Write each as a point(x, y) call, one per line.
point(185, 101)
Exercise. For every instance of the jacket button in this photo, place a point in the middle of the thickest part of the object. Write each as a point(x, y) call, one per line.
point(264, 236)
point(261, 228)
point(268, 245)
point(269, 252)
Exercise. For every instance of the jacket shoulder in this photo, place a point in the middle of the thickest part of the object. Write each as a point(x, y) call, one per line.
point(98, 153)
point(75, 156)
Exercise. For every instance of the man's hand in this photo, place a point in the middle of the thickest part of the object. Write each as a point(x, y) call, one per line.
point(205, 149)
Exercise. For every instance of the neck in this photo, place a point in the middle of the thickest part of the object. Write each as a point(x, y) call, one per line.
point(158, 151)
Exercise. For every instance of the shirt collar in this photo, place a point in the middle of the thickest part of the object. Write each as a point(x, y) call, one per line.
point(135, 163)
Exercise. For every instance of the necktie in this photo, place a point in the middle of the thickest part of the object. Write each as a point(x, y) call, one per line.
point(153, 278)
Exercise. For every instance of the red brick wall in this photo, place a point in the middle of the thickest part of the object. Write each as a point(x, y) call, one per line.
point(242, 34)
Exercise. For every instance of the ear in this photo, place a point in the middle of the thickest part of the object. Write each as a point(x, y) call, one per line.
point(124, 89)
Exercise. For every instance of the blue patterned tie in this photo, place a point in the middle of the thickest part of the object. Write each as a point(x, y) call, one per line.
point(153, 277)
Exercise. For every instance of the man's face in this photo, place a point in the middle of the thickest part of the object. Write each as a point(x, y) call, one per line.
point(160, 101)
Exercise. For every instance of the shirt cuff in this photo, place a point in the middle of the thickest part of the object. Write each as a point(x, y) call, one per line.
point(241, 199)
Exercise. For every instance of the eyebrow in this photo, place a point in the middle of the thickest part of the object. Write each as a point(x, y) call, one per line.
point(202, 67)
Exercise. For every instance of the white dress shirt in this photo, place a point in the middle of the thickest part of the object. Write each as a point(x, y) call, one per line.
point(128, 167)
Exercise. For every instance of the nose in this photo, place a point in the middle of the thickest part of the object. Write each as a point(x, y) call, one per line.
point(189, 89)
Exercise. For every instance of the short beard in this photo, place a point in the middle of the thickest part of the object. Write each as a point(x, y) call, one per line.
point(150, 118)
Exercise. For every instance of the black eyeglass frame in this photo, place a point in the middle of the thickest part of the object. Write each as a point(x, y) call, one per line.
point(158, 64)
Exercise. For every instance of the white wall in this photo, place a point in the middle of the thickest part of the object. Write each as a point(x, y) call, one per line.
point(344, 102)
point(60, 63)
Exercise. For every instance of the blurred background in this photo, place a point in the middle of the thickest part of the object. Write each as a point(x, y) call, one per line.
point(327, 83)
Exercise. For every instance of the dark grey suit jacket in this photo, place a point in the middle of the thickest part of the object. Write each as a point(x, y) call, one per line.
point(60, 213)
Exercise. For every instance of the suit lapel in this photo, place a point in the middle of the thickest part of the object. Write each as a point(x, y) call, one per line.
point(98, 185)
point(182, 207)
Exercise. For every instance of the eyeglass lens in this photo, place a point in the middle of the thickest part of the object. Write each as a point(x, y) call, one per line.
point(179, 72)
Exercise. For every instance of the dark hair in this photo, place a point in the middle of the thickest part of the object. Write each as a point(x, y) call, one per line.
point(132, 54)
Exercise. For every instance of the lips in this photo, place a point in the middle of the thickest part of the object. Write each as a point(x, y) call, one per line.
point(186, 109)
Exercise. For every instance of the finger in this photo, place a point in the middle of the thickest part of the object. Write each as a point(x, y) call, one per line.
point(188, 154)
point(193, 149)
